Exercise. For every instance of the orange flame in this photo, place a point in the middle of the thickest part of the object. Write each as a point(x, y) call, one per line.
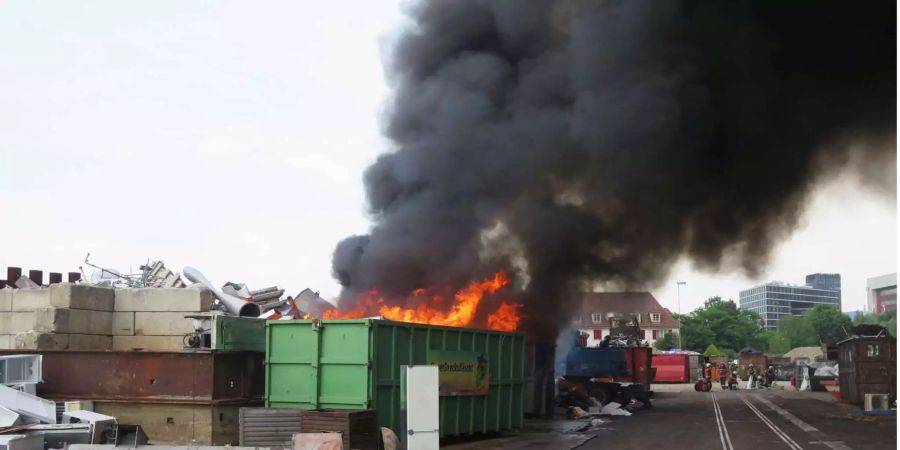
point(463, 311)
point(505, 318)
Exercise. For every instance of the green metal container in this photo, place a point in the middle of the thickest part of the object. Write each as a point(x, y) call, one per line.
point(232, 333)
point(355, 364)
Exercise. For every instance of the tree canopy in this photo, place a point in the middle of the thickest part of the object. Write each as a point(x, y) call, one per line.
point(722, 326)
point(667, 342)
point(711, 350)
point(722, 323)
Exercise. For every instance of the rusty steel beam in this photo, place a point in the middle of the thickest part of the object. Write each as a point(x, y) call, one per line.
point(12, 275)
point(55, 277)
point(200, 378)
point(37, 276)
point(74, 276)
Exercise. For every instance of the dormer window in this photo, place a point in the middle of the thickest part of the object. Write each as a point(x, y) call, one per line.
point(596, 317)
point(655, 317)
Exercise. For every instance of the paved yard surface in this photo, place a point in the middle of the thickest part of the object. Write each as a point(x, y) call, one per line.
point(727, 420)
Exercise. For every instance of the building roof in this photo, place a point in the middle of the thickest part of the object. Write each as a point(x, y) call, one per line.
point(810, 353)
point(882, 281)
point(622, 303)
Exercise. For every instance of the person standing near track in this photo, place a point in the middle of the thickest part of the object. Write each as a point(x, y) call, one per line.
point(752, 373)
point(723, 375)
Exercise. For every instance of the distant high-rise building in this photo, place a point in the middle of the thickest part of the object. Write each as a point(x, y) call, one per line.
point(775, 300)
point(827, 282)
point(881, 293)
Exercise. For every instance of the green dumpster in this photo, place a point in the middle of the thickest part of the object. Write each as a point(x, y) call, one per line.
point(355, 364)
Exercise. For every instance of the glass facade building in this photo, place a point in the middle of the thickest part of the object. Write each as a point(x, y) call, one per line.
point(827, 281)
point(775, 300)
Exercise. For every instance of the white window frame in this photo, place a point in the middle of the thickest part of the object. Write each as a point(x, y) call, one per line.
point(655, 317)
point(596, 317)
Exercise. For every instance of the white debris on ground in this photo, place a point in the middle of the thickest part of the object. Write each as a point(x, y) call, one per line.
point(614, 409)
point(598, 422)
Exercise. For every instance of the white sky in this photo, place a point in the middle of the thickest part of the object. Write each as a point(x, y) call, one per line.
point(231, 136)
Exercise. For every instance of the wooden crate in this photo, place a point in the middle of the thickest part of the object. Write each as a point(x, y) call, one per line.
point(358, 427)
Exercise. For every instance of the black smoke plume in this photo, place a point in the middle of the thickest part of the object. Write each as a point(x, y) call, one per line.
point(580, 142)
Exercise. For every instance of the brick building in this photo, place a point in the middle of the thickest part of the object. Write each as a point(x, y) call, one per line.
point(598, 308)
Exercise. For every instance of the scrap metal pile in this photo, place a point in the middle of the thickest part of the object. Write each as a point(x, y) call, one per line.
point(232, 298)
point(32, 423)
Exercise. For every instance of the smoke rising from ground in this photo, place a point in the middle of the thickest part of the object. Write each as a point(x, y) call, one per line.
point(579, 142)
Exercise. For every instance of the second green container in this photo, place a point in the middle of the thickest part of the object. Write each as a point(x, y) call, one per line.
point(355, 364)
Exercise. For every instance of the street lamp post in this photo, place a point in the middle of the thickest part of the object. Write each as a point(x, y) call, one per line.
point(679, 285)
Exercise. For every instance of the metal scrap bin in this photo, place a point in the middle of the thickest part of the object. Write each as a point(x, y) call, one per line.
point(355, 364)
point(868, 365)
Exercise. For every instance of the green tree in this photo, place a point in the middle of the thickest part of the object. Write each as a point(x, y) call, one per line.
point(797, 332)
point(711, 351)
point(668, 341)
point(827, 322)
point(722, 323)
point(774, 342)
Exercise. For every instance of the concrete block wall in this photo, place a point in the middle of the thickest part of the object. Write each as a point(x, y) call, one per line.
point(153, 319)
point(63, 316)
point(80, 317)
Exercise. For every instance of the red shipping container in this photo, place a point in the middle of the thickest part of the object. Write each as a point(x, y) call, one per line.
point(672, 368)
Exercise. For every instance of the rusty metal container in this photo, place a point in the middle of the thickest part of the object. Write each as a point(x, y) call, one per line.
point(639, 362)
point(200, 378)
point(867, 365)
point(757, 359)
point(358, 428)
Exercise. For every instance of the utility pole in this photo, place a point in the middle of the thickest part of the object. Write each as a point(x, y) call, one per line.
point(679, 284)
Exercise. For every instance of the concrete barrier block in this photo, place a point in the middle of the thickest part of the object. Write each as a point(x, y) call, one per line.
point(73, 321)
point(80, 296)
point(162, 324)
point(30, 299)
point(33, 340)
point(12, 322)
point(148, 343)
point(123, 323)
point(164, 299)
point(6, 296)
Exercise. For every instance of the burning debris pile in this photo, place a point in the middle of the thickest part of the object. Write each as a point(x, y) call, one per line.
point(578, 144)
point(464, 310)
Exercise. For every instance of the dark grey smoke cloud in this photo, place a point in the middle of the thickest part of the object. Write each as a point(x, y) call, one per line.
point(602, 140)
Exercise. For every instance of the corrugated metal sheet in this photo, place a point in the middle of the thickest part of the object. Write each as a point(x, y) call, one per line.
point(268, 427)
